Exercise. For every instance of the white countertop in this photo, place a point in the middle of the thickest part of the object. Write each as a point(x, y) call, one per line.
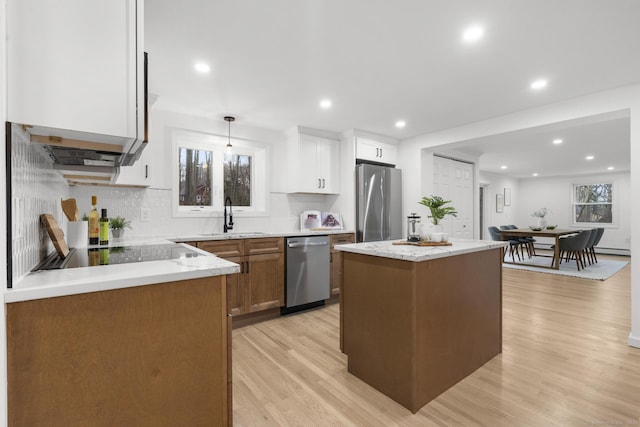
point(54, 283)
point(387, 249)
point(252, 235)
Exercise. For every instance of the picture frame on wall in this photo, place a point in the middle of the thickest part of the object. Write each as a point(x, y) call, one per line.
point(499, 203)
point(507, 196)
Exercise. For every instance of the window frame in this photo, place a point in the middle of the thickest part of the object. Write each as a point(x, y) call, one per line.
point(613, 203)
point(183, 138)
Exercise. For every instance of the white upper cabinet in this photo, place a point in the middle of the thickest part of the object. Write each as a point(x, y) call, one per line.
point(76, 65)
point(368, 149)
point(314, 164)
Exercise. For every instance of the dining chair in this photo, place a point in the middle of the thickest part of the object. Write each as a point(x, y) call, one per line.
point(524, 243)
point(599, 233)
point(574, 247)
point(590, 242)
point(494, 232)
point(529, 240)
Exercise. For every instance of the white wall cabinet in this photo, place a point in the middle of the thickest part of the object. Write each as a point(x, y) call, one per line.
point(314, 164)
point(368, 149)
point(76, 65)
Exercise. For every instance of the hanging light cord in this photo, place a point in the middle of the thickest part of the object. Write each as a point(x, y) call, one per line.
point(229, 119)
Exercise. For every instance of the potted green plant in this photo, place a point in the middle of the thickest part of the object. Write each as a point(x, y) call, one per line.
point(117, 225)
point(438, 211)
point(436, 205)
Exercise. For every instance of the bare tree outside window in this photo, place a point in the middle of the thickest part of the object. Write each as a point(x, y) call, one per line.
point(237, 179)
point(195, 169)
point(593, 203)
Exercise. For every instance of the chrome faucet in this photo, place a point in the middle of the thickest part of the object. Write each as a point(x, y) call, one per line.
point(228, 226)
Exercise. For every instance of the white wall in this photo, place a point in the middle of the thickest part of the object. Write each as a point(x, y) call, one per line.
point(495, 184)
point(624, 98)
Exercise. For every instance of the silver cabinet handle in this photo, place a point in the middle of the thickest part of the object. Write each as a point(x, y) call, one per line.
point(322, 182)
point(319, 183)
point(302, 245)
point(381, 153)
point(146, 171)
point(377, 152)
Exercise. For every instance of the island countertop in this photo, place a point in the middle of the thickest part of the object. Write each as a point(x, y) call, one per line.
point(386, 249)
point(63, 282)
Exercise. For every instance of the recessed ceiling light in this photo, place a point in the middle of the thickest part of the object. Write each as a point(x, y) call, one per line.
point(325, 104)
point(401, 124)
point(539, 84)
point(473, 34)
point(201, 67)
point(590, 157)
point(610, 168)
point(557, 141)
point(535, 174)
point(503, 167)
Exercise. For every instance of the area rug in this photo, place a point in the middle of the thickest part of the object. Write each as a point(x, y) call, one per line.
point(601, 270)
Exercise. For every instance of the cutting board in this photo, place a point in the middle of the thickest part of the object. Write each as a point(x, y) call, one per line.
point(423, 243)
point(56, 235)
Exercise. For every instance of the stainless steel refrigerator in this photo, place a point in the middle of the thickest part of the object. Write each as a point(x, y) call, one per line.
point(378, 203)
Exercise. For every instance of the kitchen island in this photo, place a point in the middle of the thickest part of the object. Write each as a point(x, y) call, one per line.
point(143, 343)
point(416, 320)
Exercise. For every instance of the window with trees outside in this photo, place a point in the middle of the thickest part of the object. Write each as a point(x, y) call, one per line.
point(207, 174)
point(593, 203)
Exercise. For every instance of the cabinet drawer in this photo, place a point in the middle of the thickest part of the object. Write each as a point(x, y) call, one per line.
point(264, 245)
point(341, 239)
point(223, 248)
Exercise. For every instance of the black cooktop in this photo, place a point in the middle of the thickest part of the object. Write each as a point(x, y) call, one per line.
point(96, 255)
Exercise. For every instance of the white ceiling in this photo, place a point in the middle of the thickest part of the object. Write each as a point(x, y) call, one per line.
point(380, 61)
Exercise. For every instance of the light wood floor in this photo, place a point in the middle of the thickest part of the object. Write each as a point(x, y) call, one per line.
point(565, 362)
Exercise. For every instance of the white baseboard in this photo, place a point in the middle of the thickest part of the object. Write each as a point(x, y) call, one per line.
point(605, 251)
point(634, 341)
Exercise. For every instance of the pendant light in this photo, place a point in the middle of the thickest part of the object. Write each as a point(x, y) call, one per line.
point(229, 119)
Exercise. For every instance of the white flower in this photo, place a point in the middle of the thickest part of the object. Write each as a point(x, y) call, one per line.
point(541, 213)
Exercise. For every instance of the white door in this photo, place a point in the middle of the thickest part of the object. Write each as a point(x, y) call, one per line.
point(453, 180)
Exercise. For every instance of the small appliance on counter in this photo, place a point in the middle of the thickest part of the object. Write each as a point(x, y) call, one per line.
point(413, 227)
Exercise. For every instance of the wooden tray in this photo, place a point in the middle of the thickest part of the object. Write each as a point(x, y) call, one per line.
point(422, 243)
point(57, 236)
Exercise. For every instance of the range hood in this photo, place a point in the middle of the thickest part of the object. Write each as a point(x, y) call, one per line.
point(85, 157)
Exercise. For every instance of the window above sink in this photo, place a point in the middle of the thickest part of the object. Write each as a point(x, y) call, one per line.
point(205, 174)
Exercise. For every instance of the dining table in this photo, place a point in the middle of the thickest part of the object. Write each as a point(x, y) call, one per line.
point(555, 233)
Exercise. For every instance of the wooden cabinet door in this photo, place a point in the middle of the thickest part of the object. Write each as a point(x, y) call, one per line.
point(265, 281)
point(336, 260)
point(236, 289)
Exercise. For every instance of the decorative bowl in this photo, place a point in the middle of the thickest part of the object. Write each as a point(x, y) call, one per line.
point(551, 227)
point(436, 237)
point(535, 228)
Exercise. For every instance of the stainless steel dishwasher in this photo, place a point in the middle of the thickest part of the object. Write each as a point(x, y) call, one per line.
point(307, 279)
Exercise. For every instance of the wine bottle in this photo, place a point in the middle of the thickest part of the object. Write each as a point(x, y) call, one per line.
point(104, 228)
point(94, 228)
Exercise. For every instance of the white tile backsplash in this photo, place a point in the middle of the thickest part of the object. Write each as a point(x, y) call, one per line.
point(284, 211)
point(35, 189)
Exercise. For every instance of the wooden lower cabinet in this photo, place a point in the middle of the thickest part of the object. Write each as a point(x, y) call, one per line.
point(260, 284)
point(336, 260)
point(154, 355)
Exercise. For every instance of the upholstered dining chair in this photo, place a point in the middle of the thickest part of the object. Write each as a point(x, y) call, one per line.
point(494, 232)
point(591, 249)
point(573, 247)
point(587, 250)
point(524, 242)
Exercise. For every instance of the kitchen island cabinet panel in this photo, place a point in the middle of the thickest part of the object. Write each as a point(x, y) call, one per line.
point(155, 355)
point(236, 290)
point(414, 329)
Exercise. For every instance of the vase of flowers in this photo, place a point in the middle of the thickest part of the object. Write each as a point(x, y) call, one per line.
point(541, 214)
